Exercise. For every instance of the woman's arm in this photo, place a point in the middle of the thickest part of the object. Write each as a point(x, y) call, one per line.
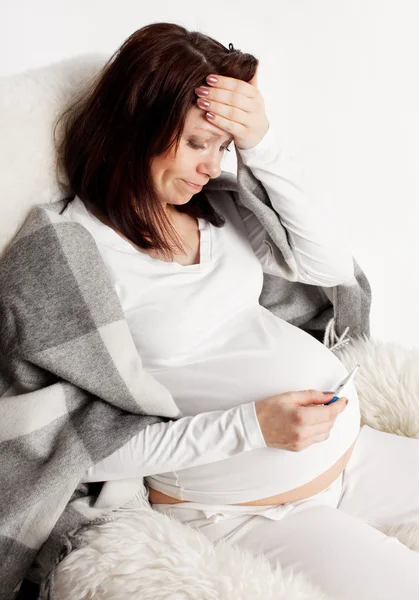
point(322, 257)
point(188, 442)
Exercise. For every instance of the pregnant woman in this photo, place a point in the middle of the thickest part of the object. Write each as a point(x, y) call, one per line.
point(258, 460)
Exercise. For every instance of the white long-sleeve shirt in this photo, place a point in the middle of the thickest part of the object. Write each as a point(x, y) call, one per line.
point(202, 333)
point(313, 235)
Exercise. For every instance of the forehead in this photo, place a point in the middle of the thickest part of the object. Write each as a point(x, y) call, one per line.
point(206, 132)
point(196, 123)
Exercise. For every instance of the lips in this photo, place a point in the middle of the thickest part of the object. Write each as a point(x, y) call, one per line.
point(193, 185)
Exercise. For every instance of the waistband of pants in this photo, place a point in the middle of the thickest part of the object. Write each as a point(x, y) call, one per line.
point(215, 512)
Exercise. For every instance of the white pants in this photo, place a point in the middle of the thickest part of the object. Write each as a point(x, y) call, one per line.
point(329, 536)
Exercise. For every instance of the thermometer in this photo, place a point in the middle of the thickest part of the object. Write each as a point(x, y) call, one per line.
point(342, 384)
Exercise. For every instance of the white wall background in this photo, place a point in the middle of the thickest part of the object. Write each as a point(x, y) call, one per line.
point(340, 82)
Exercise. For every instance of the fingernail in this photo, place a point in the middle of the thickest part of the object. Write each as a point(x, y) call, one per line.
point(346, 402)
point(327, 393)
point(212, 79)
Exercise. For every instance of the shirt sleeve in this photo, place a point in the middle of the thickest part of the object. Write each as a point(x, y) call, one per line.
point(321, 254)
point(188, 442)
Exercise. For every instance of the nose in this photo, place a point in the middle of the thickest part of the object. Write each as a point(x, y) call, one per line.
point(210, 165)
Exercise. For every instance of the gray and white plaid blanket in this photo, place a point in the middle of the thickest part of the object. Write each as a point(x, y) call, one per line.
point(72, 386)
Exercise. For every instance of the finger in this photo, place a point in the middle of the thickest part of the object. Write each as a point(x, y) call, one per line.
point(319, 430)
point(322, 414)
point(235, 85)
point(229, 113)
point(313, 435)
point(311, 396)
point(228, 97)
point(237, 130)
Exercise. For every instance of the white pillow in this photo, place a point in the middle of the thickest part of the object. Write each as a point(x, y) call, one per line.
point(29, 104)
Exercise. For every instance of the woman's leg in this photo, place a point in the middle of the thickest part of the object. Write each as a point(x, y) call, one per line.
point(343, 555)
point(381, 479)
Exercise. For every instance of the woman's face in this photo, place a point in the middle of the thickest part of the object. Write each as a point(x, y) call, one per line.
point(197, 160)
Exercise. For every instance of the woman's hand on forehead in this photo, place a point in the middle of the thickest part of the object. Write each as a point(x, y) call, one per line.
point(235, 106)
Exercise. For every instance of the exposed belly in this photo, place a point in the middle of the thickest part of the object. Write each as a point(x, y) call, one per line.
point(311, 488)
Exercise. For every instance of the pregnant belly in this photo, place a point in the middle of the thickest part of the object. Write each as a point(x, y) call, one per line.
point(261, 359)
point(311, 488)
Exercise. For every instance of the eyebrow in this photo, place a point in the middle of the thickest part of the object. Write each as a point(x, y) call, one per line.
point(217, 135)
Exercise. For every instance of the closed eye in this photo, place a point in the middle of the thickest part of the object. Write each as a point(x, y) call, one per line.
point(198, 147)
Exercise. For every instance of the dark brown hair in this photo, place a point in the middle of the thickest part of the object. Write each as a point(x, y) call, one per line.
point(133, 110)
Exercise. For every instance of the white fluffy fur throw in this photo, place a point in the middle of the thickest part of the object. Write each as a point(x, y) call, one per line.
point(149, 556)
